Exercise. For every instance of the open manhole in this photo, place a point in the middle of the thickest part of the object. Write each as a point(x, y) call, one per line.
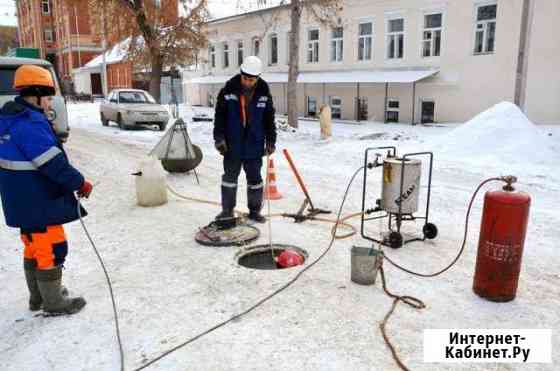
point(260, 256)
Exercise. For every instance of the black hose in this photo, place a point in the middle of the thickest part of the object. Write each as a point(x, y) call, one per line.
point(266, 298)
point(462, 245)
point(108, 283)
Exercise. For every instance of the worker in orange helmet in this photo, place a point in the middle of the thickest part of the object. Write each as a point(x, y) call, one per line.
point(37, 185)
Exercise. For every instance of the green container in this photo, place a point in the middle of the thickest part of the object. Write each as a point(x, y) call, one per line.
point(24, 53)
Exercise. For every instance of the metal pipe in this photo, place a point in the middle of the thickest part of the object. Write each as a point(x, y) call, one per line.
point(385, 107)
point(358, 102)
point(413, 100)
point(298, 177)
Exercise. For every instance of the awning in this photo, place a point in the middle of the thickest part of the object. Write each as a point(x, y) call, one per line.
point(221, 79)
point(333, 77)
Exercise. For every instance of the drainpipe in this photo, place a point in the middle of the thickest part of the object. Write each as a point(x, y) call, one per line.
point(413, 101)
point(523, 56)
point(385, 106)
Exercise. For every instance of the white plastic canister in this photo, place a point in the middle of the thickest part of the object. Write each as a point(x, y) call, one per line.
point(151, 188)
point(391, 196)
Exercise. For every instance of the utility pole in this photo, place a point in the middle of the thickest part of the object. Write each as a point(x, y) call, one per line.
point(77, 37)
point(104, 47)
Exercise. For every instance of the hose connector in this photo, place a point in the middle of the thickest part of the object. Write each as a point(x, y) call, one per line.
point(509, 180)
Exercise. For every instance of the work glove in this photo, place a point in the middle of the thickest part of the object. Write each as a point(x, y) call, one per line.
point(270, 148)
point(221, 147)
point(85, 189)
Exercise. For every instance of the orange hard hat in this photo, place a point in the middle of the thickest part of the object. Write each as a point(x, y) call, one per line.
point(33, 76)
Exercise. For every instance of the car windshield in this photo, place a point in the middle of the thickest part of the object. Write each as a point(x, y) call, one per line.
point(134, 97)
point(7, 80)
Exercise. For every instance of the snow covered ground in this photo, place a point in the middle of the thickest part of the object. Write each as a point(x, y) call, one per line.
point(169, 289)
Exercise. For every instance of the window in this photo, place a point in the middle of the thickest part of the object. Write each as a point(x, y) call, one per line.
point(362, 108)
point(393, 107)
point(226, 55)
point(395, 39)
point(485, 30)
point(311, 106)
point(212, 57)
point(46, 6)
point(273, 50)
point(431, 41)
point(336, 107)
point(337, 44)
point(239, 53)
point(313, 46)
point(49, 35)
point(365, 41)
point(256, 47)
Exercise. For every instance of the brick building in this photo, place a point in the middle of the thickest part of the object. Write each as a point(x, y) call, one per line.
point(59, 30)
point(70, 37)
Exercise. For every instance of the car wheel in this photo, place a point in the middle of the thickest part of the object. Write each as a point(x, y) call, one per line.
point(104, 121)
point(395, 240)
point(120, 122)
point(162, 126)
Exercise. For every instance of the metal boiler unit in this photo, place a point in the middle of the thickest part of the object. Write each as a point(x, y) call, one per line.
point(400, 194)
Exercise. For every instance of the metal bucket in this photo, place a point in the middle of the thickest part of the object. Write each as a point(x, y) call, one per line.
point(364, 265)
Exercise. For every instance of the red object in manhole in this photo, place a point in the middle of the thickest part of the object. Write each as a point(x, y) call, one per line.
point(290, 258)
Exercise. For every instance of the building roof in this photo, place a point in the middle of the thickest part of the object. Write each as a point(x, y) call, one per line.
point(248, 13)
point(16, 61)
point(362, 76)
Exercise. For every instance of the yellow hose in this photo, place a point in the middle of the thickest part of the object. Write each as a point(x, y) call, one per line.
point(342, 221)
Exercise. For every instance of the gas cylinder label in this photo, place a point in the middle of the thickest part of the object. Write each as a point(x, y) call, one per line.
point(505, 253)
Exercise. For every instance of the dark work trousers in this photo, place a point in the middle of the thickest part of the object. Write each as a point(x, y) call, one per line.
point(232, 169)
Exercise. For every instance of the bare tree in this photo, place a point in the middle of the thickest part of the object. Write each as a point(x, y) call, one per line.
point(154, 43)
point(323, 11)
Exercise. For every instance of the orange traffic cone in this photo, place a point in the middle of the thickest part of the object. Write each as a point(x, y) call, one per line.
point(271, 191)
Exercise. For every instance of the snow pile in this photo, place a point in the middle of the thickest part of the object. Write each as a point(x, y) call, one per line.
point(502, 135)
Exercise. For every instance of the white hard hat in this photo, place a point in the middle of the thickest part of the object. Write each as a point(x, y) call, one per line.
point(252, 66)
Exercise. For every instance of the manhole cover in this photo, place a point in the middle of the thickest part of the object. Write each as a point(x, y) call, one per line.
point(260, 256)
point(240, 235)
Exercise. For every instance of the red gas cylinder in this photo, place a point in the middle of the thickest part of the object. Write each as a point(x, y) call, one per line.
point(290, 258)
point(500, 246)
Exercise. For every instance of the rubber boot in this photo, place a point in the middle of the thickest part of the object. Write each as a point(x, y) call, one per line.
point(254, 203)
point(49, 282)
point(229, 200)
point(35, 300)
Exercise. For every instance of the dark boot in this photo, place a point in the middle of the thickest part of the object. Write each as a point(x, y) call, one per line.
point(35, 299)
point(225, 214)
point(54, 302)
point(229, 200)
point(254, 202)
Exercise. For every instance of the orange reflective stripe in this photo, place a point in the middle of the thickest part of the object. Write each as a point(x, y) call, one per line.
point(243, 113)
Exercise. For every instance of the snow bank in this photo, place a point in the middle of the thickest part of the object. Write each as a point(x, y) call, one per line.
point(502, 135)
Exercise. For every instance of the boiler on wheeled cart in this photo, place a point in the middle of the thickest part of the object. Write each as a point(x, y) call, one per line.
point(400, 194)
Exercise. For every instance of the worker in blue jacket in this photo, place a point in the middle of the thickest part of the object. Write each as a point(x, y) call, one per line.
point(37, 185)
point(244, 131)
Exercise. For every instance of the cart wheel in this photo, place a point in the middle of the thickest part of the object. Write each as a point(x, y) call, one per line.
point(430, 231)
point(395, 240)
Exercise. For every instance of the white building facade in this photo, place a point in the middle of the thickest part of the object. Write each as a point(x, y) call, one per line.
point(416, 61)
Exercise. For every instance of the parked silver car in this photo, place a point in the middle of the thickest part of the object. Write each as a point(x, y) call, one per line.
point(57, 113)
point(133, 107)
